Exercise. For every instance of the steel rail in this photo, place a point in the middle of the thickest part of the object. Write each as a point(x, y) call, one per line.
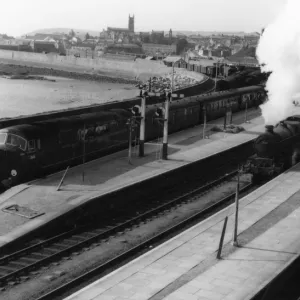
point(61, 290)
point(61, 240)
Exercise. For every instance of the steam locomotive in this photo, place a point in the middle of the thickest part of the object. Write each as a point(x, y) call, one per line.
point(28, 151)
point(275, 150)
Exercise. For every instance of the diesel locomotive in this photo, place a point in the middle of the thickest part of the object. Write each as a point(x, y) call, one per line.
point(29, 151)
point(275, 150)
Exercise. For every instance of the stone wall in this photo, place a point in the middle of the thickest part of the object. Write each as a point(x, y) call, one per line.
point(142, 69)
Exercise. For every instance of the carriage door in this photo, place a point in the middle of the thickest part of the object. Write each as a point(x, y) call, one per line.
point(32, 155)
point(67, 139)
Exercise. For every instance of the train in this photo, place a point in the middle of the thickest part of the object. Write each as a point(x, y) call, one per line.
point(29, 151)
point(276, 150)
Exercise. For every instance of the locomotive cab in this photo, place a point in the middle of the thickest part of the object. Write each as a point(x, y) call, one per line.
point(18, 155)
point(276, 150)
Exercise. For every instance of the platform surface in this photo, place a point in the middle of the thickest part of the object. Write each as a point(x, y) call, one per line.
point(186, 268)
point(111, 173)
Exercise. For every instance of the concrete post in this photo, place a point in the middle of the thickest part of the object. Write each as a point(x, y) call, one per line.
point(235, 242)
point(142, 126)
point(246, 112)
point(222, 238)
point(130, 140)
point(204, 121)
point(83, 153)
point(166, 119)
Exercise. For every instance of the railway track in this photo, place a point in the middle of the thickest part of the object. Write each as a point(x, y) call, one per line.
point(22, 262)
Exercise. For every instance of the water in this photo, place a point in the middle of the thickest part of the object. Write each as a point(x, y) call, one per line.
point(26, 97)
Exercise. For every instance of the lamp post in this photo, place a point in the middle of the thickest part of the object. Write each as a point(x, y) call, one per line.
point(166, 117)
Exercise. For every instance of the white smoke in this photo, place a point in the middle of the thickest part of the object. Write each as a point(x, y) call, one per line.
point(279, 50)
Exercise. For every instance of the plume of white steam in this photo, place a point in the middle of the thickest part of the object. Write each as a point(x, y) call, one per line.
point(279, 50)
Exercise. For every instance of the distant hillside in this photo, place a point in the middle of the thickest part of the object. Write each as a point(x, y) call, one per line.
point(209, 33)
point(65, 30)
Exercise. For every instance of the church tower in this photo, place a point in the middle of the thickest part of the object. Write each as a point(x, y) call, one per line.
point(131, 23)
point(170, 37)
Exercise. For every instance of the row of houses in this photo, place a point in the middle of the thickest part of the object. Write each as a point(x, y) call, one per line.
point(210, 67)
point(33, 45)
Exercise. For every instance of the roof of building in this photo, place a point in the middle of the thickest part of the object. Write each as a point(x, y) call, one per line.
point(44, 42)
point(22, 41)
point(245, 52)
point(202, 62)
point(173, 59)
point(243, 60)
point(117, 29)
point(80, 48)
point(157, 45)
point(125, 46)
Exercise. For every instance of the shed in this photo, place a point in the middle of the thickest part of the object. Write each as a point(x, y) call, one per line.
point(177, 61)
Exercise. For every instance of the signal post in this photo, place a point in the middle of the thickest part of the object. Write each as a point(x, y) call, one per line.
point(169, 98)
point(166, 127)
point(142, 125)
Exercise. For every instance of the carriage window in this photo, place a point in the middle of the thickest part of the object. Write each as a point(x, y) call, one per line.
point(31, 145)
point(17, 141)
point(2, 138)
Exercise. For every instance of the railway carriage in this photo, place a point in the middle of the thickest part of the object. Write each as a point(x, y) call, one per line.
point(31, 150)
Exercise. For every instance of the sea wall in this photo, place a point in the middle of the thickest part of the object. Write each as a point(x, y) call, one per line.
point(139, 68)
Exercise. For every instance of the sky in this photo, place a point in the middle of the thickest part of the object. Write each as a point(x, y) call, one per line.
point(19, 17)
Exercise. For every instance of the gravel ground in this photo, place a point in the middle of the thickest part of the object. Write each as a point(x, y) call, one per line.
point(53, 276)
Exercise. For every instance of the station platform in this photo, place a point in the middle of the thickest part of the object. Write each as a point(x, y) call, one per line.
point(38, 202)
point(186, 267)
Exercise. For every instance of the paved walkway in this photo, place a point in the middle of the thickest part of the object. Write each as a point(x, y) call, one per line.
point(186, 268)
point(112, 173)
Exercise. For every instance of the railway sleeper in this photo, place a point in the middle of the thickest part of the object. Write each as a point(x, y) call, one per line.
point(8, 269)
point(37, 255)
point(90, 234)
point(49, 250)
point(80, 237)
point(68, 243)
point(27, 260)
point(98, 231)
point(72, 241)
point(59, 246)
point(19, 264)
point(2, 273)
